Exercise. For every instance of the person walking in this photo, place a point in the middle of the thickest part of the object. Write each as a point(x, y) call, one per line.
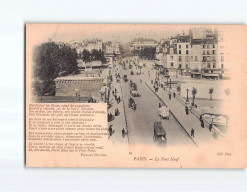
point(174, 94)
point(210, 126)
point(123, 132)
point(110, 130)
point(186, 110)
point(202, 124)
point(200, 118)
point(192, 133)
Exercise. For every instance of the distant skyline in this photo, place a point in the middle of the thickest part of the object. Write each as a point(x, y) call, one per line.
point(123, 33)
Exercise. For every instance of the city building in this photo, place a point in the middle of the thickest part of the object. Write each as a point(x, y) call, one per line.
point(111, 50)
point(198, 54)
point(90, 45)
point(141, 43)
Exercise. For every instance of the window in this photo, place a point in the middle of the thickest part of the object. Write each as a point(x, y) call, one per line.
point(203, 46)
point(222, 58)
point(208, 46)
point(180, 65)
point(208, 52)
point(171, 57)
point(179, 46)
point(180, 58)
point(191, 57)
point(214, 65)
point(222, 65)
point(196, 58)
point(212, 71)
point(214, 52)
point(179, 51)
point(187, 51)
point(171, 63)
point(208, 66)
point(187, 66)
point(187, 46)
point(213, 46)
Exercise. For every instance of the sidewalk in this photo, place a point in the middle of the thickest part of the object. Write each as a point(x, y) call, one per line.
point(119, 122)
point(178, 110)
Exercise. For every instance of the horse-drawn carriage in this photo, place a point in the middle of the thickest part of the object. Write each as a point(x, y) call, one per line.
point(135, 93)
point(132, 104)
point(164, 112)
point(159, 134)
point(125, 78)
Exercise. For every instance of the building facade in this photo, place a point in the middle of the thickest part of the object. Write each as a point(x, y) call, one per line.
point(199, 54)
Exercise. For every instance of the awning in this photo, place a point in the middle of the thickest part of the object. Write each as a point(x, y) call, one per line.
point(195, 73)
point(211, 75)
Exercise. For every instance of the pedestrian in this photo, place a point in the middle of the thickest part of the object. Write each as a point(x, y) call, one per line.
point(174, 94)
point(210, 126)
point(108, 117)
point(200, 118)
point(115, 112)
point(110, 130)
point(170, 96)
point(159, 105)
point(111, 116)
point(202, 124)
point(123, 132)
point(118, 112)
point(186, 110)
point(192, 133)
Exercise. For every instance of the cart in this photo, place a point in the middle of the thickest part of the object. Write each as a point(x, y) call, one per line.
point(125, 78)
point(164, 112)
point(132, 104)
point(159, 134)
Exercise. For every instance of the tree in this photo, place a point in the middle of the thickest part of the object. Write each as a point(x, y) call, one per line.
point(178, 89)
point(86, 56)
point(146, 53)
point(194, 92)
point(50, 61)
point(68, 60)
point(46, 61)
point(211, 91)
point(149, 53)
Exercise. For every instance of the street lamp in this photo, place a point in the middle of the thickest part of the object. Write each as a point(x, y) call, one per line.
point(170, 83)
point(187, 99)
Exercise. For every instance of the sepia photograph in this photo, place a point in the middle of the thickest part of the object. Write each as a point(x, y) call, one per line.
point(162, 86)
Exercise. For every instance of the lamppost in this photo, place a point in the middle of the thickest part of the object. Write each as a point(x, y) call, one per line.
point(187, 99)
point(170, 83)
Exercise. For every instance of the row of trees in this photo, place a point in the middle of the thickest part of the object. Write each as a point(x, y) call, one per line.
point(87, 56)
point(50, 61)
point(146, 53)
point(210, 91)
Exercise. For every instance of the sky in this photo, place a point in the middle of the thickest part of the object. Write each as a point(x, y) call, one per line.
point(107, 32)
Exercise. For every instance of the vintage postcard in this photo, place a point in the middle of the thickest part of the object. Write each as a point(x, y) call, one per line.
point(136, 95)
